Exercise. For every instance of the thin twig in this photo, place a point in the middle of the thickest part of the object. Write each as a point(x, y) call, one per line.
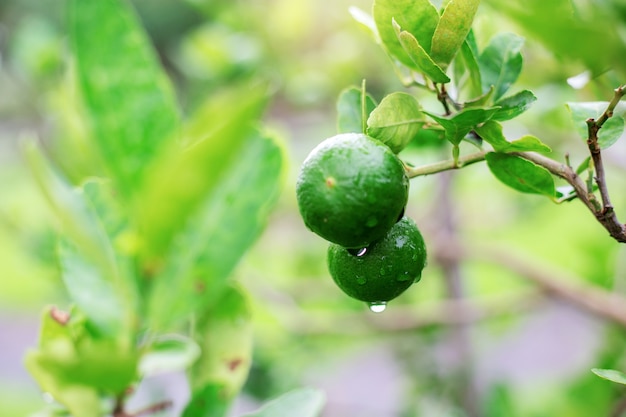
point(447, 165)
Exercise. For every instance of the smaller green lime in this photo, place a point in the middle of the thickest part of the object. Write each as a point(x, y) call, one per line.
point(383, 270)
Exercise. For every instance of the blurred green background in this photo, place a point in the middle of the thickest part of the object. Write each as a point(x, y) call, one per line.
point(528, 355)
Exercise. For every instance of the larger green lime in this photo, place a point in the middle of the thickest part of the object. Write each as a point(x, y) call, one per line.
point(351, 190)
point(385, 269)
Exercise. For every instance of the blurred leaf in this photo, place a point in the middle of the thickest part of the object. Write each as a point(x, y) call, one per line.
point(74, 367)
point(365, 19)
point(491, 132)
point(417, 17)
point(224, 334)
point(92, 293)
point(458, 125)
point(130, 100)
point(210, 244)
point(584, 165)
point(513, 106)
point(396, 120)
point(452, 29)
point(611, 375)
point(305, 402)
point(180, 180)
point(422, 61)
point(558, 26)
point(501, 63)
point(521, 174)
point(209, 401)
point(350, 110)
point(168, 353)
point(612, 129)
point(480, 101)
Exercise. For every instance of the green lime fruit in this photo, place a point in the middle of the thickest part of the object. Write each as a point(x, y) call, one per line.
point(383, 270)
point(351, 190)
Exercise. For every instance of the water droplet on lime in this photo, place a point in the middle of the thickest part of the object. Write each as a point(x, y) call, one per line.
point(403, 278)
point(358, 252)
point(361, 280)
point(377, 306)
point(371, 222)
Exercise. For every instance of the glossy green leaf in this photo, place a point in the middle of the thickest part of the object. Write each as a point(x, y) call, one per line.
point(350, 110)
point(169, 353)
point(423, 62)
point(491, 132)
point(452, 29)
point(501, 63)
point(611, 375)
point(305, 402)
point(612, 129)
point(396, 120)
point(226, 224)
point(513, 106)
point(460, 124)
point(418, 17)
point(469, 53)
point(521, 174)
point(181, 179)
point(128, 97)
point(209, 401)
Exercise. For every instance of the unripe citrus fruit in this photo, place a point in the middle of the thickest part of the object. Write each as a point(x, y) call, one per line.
point(351, 190)
point(383, 270)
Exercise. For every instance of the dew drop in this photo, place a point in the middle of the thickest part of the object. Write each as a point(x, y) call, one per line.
point(361, 280)
point(358, 252)
point(403, 278)
point(382, 271)
point(377, 307)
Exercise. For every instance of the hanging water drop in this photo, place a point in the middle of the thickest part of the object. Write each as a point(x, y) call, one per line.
point(358, 252)
point(377, 307)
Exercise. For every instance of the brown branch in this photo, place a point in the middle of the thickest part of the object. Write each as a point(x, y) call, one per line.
point(119, 411)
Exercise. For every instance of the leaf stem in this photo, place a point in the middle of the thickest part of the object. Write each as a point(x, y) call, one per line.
point(437, 167)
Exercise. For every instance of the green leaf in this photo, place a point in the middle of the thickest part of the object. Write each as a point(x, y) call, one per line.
point(90, 290)
point(305, 402)
point(209, 401)
point(129, 99)
point(452, 29)
point(396, 120)
point(169, 353)
point(366, 20)
point(479, 101)
point(501, 63)
point(469, 53)
point(418, 17)
point(419, 56)
point(181, 179)
point(491, 132)
point(513, 106)
point(611, 375)
point(521, 174)
point(460, 124)
point(210, 244)
point(612, 129)
point(349, 110)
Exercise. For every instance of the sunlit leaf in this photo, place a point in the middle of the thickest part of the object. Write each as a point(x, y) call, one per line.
point(211, 243)
point(513, 106)
point(418, 17)
point(396, 120)
point(460, 124)
point(611, 375)
point(501, 63)
point(452, 29)
point(469, 53)
point(521, 174)
point(366, 20)
point(181, 179)
point(612, 129)
point(423, 62)
point(304, 402)
point(492, 133)
point(350, 110)
point(129, 99)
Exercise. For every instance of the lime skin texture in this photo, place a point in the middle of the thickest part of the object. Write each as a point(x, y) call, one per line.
point(351, 190)
point(383, 270)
